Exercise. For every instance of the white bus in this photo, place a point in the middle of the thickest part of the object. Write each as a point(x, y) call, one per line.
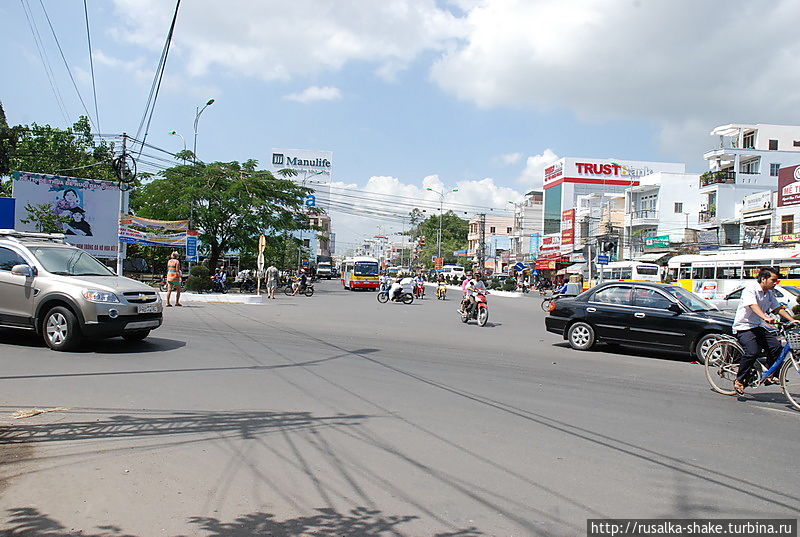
point(359, 273)
point(630, 271)
point(717, 274)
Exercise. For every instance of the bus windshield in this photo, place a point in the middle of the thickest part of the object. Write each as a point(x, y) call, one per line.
point(365, 268)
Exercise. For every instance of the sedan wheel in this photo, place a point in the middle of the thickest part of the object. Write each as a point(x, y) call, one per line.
point(581, 336)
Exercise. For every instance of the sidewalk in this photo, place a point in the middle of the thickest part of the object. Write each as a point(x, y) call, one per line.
point(492, 292)
point(219, 298)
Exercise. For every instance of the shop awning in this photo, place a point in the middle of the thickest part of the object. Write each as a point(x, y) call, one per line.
point(577, 268)
point(561, 272)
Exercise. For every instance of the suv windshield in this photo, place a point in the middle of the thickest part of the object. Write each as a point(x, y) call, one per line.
point(690, 300)
point(70, 262)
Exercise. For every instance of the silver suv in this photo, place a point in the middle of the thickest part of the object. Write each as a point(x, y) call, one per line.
point(65, 294)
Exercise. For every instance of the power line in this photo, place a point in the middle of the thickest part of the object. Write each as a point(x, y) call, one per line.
point(159, 74)
point(91, 63)
point(37, 38)
point(66, 64)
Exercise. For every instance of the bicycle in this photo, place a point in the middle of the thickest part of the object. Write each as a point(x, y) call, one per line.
point(722, 365)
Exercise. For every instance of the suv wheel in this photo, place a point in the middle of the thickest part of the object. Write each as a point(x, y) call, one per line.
point(137, 335)
point(60, 329)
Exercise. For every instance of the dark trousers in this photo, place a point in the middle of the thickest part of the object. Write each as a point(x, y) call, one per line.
point(752, 341)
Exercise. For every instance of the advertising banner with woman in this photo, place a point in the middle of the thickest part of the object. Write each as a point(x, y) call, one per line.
point(89, 209)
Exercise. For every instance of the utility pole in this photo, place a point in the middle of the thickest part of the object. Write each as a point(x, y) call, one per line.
point(481, 242)
point(123, 209)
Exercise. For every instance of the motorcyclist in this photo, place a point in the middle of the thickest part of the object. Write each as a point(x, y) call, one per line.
point(402, 284)
point(300, 284)
point(419, 283)
point(219, 279)
point(474, 284)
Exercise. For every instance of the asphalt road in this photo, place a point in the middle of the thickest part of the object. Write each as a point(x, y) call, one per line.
point(335, 415)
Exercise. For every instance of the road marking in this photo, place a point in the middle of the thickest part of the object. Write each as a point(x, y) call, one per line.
point(782, 410)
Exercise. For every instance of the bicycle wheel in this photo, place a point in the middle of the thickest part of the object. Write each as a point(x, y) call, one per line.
point(722, 368)
point(790, 380)
point(288, 290)
point(309, 291)
point(546, 304)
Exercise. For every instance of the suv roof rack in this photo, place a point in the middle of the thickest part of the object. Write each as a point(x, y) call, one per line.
point(14, 234)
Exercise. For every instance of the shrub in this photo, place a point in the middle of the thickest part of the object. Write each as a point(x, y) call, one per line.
point(510, 285)
point(199, 280)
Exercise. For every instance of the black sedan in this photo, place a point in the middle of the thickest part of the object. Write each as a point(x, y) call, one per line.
point(655, 315)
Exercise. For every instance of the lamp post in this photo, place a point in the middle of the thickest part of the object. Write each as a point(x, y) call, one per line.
point(441, 215)
point(196, 119)
point(176, 133)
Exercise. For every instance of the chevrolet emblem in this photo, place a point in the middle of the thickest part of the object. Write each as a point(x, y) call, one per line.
point(142, 298)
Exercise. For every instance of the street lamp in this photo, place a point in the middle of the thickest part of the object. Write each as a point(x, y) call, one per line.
point(176, 133)
point(441, 203)
point(196, 119)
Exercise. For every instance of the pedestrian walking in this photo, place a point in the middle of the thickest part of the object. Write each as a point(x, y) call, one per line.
point(271, 276)
point(174, 278)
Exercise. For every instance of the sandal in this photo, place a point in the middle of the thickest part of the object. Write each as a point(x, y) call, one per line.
point(739, 387)
point(771, 381)
point(169, 305)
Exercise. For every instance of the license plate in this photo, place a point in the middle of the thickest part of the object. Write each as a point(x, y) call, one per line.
point(148, 308)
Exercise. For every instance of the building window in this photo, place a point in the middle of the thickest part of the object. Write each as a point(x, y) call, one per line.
point(508, 230)
point(787, 224)
point(748, 140)
point(773, 169)
point(773, 145)
point(751, 166)
point(491, 230)
point(678, 207)
point(796, 143)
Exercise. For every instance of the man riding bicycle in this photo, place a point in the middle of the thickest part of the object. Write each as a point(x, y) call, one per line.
point(758, 301)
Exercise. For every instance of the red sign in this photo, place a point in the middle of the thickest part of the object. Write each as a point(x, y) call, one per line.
point(438, 263)
point(598, 169)
point(554, 171)
point(568, 227)
point(789, 186)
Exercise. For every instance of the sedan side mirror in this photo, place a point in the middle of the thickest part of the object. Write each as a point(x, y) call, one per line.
point(675, 308)
point(23, 270)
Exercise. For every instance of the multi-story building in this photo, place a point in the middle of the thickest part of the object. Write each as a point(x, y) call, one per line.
point(598, 223)
point(664, 205)
point(497, 236)
point(746, 162)
point(319, 241)
point(570, 177)
point(527, 230)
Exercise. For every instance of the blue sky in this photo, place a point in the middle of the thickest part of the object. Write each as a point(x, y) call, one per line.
point(414, 93)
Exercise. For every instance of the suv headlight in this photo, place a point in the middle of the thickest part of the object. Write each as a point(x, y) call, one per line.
point(95, 295)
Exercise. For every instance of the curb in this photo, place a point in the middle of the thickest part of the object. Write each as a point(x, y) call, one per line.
point(220, 298)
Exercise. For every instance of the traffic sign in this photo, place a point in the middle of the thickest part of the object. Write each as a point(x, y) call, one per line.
point(602, 260)
point(438, 263)
point(519, 267)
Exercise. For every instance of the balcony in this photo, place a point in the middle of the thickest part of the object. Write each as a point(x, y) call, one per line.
point(707, 217)
point(718, 177)
point(643, 218)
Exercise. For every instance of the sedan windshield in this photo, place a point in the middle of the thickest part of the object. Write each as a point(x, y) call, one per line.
point(690, 300)
point(791, 290)
point(70, 262)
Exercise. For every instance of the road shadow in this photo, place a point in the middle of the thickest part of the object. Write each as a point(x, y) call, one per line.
point(241, 424)
point(639, 352)
point(115, 345)
point(325, 522)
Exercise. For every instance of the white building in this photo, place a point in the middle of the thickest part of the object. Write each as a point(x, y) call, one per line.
point(527, 230)
point(746, 162)
point(665, 205)
point(570, 177)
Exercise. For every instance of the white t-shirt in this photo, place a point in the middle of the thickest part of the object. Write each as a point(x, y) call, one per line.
point(753, 294)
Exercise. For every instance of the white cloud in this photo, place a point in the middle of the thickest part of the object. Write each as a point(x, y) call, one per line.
point(315, 93)
point(664, 62)
point(533, 175)
point(280, 41)
point(508, 158)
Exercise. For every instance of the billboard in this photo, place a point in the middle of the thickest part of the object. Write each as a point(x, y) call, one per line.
point(604, 171)
point(7, 213)
point(90, 208)
point(568, 227)
point(789, 186)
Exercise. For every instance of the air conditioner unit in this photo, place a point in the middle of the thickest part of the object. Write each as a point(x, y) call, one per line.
point(704, 206)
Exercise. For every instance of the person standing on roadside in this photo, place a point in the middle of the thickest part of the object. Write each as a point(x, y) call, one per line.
point(174, 278)
point(272, 280)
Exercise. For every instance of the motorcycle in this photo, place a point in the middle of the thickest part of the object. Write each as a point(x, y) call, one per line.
point(218, 286)
point(441, 291)
point(419, 290)
point(308, 290)
point(479, 310)
point(404, 297)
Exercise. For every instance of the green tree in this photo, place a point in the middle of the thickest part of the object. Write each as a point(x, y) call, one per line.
point(454, 236)
point(6, 144)
point(43, 218)
point(229, 203)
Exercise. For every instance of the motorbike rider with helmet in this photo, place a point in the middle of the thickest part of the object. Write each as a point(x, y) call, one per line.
point(476, 282)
